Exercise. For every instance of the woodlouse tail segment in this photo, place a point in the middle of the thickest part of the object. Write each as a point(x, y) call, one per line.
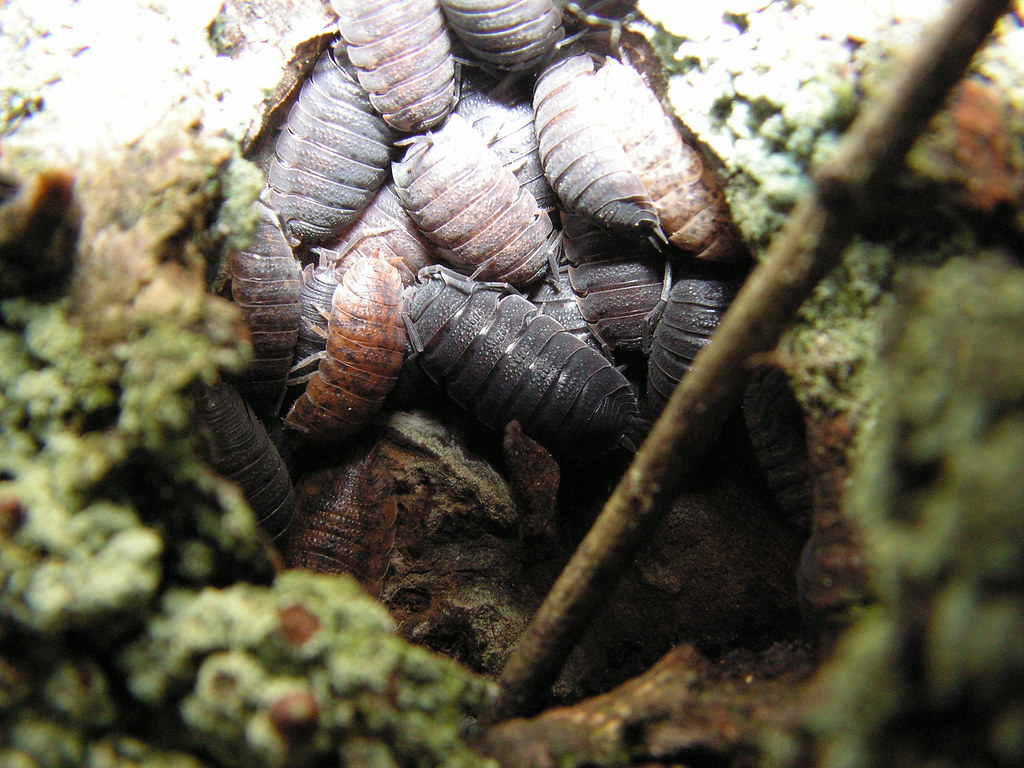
point(346, 520)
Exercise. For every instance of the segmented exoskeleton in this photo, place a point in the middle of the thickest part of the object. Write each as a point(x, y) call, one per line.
point(365, 346)
point(384, 227)
point(239, 448)
point(555, 298)
point(695, 307)
point(345, 520)
point(618, 283)
point(775, 424)
point(402, 53)
point(582, 158)
point(472, 208)
point(691, 206)
point(512, 34)
point(498, 356)
point(503, 115)
point(318, 286)
point(331, 155)
point(265, 285)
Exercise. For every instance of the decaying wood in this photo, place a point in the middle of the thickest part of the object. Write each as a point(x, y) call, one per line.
point(821, 226)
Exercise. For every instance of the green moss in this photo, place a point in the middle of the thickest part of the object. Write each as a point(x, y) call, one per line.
point(231, 659)
point(936, 671)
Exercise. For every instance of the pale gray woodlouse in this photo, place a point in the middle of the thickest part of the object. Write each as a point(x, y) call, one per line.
point(512, 34)
point(402, 53)
point(331, 155)
point(472, 207)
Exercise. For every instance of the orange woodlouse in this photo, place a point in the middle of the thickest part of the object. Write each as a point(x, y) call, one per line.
point(365, 347)
point(345, 520)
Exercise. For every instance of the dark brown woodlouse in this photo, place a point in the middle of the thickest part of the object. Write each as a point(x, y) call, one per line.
point(498, 356)
point(265, 284)
point(695, 307)
point(345, 520)
point(331, 155)
point(778, 435)
point(557, 299)
point(691, 206)
point(472, 208)
point(402, 53)
point(618, 283)
point(384, 227)
point(512, 34)
point(238, 447)
point(582, 158)
point(503, 115)
point(365, 347)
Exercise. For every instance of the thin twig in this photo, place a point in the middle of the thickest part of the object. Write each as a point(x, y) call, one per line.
point(821, 226)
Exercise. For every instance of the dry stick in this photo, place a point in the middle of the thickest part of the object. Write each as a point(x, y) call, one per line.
point(820, 227)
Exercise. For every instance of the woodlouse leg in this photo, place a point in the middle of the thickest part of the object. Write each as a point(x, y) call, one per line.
point(348, 247)
point(651, 318)
point(412, 335)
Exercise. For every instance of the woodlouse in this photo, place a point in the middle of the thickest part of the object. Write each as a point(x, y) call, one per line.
point(695, 306)
point(617, 283)
point(691, 206)
point(557, 299)
point(582, 158)
point(318, 286)
point(402, 53)
point(238, 447)
point(503, 115)
point(331, 155)
point(472, 208)
point(265, 284)
point(365, 346)
point(775, 424)
point(512, 34)
point(345, 520)
point(496, 355)
point(384, 227)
